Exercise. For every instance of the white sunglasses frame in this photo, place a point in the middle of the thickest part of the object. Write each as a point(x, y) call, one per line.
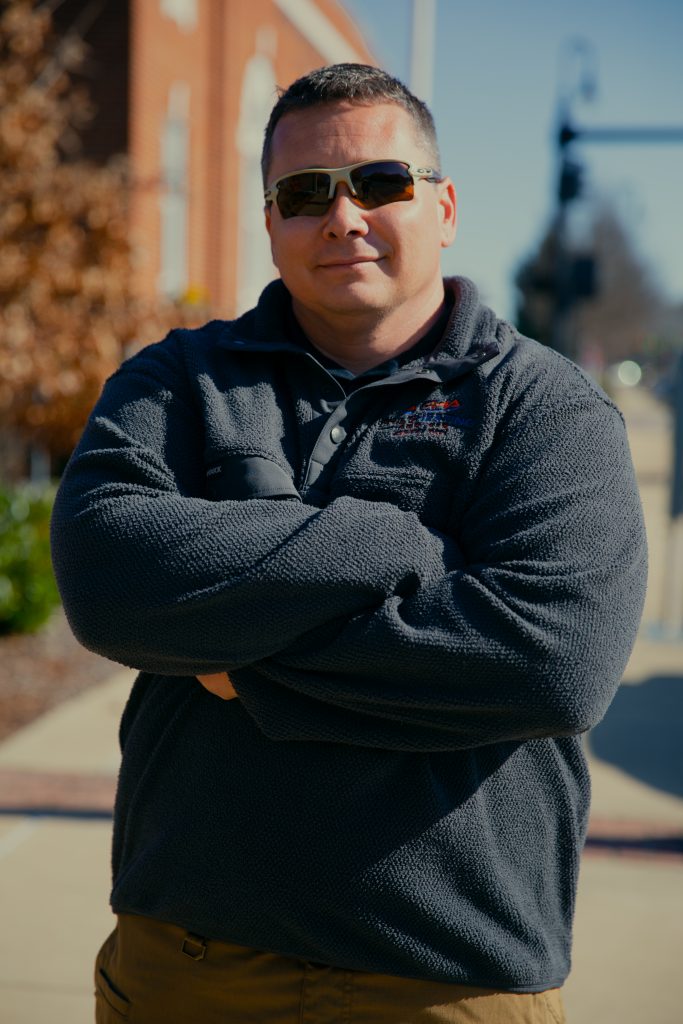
point(343, 174)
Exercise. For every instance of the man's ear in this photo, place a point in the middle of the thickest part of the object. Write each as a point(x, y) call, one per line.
point(267, 214)
point(448, 211)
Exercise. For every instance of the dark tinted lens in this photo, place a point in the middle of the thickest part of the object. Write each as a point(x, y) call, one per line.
point(382, 182)
point(303, 195)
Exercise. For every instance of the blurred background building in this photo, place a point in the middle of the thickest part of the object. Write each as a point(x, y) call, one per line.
point(131, 196)
point(184, 88)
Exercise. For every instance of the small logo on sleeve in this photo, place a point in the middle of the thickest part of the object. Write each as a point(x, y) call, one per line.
point(431, 417)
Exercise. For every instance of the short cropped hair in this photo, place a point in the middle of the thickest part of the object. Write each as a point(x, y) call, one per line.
point(355, 83)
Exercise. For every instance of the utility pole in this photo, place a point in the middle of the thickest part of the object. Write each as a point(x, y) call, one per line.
point(422, 49)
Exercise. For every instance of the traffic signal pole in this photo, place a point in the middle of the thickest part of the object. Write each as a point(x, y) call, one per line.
point(569, 188)
point(568, 133)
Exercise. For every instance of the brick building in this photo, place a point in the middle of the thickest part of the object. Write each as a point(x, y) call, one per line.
point(184, 87)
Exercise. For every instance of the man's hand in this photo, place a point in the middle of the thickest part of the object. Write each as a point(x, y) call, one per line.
point(219, 684)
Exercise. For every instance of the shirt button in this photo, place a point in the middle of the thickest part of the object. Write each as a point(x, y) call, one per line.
point(337, 435)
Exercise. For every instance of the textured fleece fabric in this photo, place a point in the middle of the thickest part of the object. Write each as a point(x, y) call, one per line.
point(424, 592)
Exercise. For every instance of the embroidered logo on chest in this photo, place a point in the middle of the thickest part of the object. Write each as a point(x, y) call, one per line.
point(432, 417)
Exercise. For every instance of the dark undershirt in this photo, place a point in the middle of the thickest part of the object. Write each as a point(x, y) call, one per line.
point(350, 381)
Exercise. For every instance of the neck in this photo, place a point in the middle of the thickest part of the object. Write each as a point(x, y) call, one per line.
point(360, 340)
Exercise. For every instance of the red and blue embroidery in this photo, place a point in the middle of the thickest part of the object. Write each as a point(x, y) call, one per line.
point(432, 417)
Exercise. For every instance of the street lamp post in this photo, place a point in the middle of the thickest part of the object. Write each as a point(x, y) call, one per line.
point(569, 183)
point(571, 171)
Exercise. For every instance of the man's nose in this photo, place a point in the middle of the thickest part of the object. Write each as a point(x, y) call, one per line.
point(344, 216)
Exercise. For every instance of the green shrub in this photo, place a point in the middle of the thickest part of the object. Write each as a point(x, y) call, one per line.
point(28, 592)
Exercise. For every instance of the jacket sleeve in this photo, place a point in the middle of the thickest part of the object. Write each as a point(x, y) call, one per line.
point(528, 638)
point(161, 580)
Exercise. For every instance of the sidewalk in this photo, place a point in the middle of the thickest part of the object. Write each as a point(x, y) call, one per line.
point(57, 779)
point(54, 860)
point(629, 923)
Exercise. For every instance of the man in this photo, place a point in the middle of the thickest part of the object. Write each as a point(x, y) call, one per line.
point(405, 545)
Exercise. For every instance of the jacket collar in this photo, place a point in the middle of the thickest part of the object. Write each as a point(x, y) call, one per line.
point(473, 333)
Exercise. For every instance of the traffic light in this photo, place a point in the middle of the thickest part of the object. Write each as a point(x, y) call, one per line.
point(571, 181)
point(584, 277)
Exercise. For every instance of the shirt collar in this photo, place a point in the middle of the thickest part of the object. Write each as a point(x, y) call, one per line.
point(420, 350)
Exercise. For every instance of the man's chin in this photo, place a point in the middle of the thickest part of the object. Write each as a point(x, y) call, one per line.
point(352, 297)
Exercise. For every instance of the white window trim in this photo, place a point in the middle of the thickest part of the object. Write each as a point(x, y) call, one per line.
point(319, 31)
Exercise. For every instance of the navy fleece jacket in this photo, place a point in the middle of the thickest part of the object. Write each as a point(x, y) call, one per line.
point(423, 591)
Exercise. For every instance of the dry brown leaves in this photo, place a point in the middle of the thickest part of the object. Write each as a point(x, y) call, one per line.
point(68, 312)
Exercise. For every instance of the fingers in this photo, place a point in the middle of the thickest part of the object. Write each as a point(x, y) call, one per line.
point(219, 684)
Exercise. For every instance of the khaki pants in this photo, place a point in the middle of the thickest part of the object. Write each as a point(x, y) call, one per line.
point(148, 972)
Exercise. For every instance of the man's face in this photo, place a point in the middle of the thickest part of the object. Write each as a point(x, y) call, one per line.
point(354, 261)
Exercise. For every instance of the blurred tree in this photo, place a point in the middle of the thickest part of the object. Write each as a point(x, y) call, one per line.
point(535, 281)
point(68, 312)
point(625, 307)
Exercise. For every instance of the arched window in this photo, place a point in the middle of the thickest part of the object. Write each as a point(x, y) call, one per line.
point(254, 264)
point(183, 12)
point(173, 199)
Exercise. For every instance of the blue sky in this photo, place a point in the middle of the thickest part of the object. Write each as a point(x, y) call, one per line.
point(496, 81)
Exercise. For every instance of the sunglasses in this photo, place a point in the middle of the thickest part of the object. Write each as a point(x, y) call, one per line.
point(372, 183)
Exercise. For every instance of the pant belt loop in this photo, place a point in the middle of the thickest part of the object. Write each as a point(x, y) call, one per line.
point(194, 946)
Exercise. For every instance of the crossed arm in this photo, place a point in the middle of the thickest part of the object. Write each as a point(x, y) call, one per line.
point(355, 622)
